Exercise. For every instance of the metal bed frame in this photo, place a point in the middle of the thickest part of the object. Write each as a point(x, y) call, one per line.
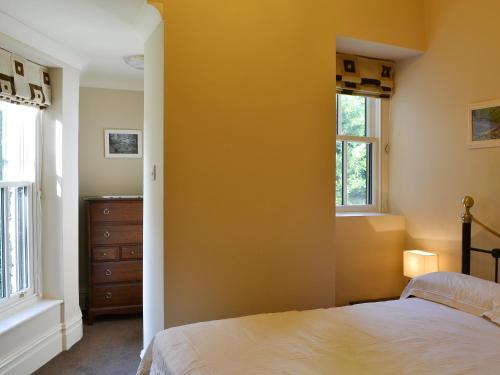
point(467, 220)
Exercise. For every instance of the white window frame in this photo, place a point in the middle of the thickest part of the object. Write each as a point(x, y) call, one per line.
point(33, 292)
point(376, 123)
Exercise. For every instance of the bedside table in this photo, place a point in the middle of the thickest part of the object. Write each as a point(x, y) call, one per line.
point(373, 300)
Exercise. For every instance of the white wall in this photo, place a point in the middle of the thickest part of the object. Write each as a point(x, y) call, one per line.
point(108, 109)
point(72, 316)
point(431, 166)
point(154, 318)
point(60, 200)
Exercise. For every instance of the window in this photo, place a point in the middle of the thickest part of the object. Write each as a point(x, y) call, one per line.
point(358, 153)
point(18, 171)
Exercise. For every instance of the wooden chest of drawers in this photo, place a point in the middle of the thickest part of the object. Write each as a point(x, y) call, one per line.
point(114, 229)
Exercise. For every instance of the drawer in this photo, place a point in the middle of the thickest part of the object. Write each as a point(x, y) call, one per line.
point(116, 272)
point(116, 211)
point(131, 252)
point(105, 253)
point(117, 295)
point(116, 234)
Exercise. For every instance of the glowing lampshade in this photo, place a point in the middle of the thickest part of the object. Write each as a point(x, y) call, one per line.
point(417, 262)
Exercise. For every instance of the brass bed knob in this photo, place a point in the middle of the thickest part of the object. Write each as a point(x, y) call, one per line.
point(468, 202)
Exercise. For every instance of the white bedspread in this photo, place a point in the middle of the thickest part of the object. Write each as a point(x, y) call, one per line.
point(411, 336)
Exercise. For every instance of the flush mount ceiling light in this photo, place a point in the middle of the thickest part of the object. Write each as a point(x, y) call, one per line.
point(135, 61)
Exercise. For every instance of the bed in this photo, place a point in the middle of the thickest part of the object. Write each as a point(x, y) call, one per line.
point(450, 325)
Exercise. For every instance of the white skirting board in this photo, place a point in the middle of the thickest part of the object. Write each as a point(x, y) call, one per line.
point(41, 349)
point(71, 332)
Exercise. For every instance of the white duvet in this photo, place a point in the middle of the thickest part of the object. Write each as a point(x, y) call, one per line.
point(410, 336)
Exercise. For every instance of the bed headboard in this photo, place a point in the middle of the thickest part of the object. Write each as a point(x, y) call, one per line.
point(467, 220)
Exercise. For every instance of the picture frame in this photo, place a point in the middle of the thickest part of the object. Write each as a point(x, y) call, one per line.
point(122, 143)
point(484, 124)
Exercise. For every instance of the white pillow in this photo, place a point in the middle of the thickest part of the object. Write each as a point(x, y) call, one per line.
point(463, 292)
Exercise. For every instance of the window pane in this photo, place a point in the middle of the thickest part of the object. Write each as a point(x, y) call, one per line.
point(18, 146)
point(339, 174)
point(17, 174)
point(3, 253)
point(15, 231)
point(2, 141)
point(358, 155)
point(353, 115)
point(22, 245)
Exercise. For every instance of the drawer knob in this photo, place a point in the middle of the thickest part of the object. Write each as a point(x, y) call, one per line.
point(108, 295)
point(132, 252)
point(107, 234)
point(106, 211)
point(104, 254)
point(108, 272)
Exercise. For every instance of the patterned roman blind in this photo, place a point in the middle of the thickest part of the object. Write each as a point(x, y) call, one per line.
point(23, 82)
point(363, 76)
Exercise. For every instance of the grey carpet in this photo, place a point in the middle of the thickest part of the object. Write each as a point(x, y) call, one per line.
point(111, 346)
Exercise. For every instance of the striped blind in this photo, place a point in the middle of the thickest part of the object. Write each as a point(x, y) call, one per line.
point(364, 76)
point(23, 82)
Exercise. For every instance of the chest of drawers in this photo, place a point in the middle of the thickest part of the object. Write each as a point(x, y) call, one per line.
point(114, 229)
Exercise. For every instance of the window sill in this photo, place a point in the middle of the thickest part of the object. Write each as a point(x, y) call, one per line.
point(19, 315)
point(364, 214)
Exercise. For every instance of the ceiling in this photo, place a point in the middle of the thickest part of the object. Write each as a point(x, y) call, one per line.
point(373, 49)
point(94, 35)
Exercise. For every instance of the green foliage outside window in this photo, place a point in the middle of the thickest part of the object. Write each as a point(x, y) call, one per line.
point(353, 110)
point(352, 117)
point(357, 177)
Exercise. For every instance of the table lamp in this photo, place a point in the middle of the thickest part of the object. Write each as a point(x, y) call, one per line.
point(418, 262)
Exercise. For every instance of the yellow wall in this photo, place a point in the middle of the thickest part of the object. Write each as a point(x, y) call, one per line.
point(394, 22)
point(432, 167)
point(369, 258)
point(249, 168)
point(249, 151)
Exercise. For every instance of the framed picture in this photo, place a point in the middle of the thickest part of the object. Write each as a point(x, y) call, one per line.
point(122, 143)
point(484, 124)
